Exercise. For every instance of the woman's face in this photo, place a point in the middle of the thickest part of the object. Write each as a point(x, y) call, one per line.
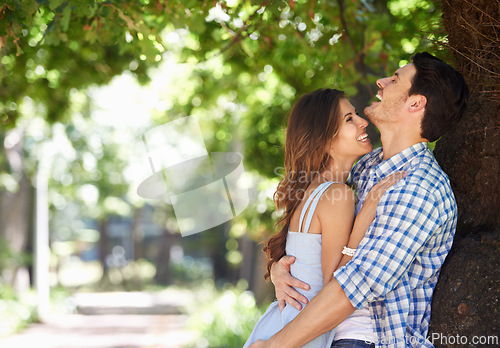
point(351, 140)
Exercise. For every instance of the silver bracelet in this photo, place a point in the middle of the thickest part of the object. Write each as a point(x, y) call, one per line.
point(348, 251)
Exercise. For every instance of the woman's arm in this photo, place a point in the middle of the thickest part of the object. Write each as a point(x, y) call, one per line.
point(335, 213)
point(283, 281)
point(367, 213)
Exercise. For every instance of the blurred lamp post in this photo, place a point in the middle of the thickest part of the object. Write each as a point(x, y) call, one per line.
point(42, 253)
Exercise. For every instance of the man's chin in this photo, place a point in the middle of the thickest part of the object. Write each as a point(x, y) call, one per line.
point(374, 104)
point(369, 113)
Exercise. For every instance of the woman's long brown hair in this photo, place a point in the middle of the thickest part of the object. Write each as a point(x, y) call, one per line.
point(313, 122)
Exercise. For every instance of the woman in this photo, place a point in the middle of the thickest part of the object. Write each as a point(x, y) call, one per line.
point(324, 138)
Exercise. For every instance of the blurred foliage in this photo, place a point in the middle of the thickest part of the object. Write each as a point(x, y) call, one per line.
point(189, 271)
point(7, 256)
point(133, 276)
point(270, 51)
point(52, 47)
point(10, 259)
point(15, 312)
point(91, 158)
point(240, 64)
point(247, 61)
point(78, 275)
point(223, 318)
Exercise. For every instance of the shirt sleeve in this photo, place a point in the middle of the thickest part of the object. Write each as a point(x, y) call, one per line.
point(406, 218)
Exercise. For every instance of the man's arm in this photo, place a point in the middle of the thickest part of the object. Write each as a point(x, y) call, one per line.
point(326, 310)
point(284, 283)
point(407, 218)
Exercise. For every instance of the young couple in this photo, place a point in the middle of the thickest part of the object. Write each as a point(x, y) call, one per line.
point(369, 279)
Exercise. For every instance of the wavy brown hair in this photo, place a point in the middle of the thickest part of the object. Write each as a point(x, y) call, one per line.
point(312, 124)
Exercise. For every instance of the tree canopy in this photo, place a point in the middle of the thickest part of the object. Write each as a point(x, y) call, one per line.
point(268, 52)
point(247, 62)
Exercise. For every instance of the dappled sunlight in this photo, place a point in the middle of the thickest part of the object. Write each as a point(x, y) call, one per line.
point(75, 273)
point(108, 209)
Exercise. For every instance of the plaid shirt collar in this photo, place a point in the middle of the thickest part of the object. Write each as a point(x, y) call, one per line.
point(380, 168)
point(396, 162)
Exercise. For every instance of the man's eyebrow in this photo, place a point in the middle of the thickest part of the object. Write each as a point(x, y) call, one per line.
point(396, 74)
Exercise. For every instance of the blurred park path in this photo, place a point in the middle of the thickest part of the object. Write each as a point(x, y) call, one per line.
point(112, 320)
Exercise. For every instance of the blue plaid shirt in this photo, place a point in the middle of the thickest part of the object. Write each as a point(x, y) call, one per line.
point(396, 265)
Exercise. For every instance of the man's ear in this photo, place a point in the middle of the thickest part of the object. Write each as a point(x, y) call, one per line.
point(416, 103)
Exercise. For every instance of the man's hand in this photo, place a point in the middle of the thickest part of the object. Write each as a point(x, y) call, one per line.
point(284, 283)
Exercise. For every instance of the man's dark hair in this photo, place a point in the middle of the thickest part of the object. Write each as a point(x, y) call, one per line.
point(445, 90)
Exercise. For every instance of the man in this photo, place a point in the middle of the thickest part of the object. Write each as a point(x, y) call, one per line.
point(396, 266)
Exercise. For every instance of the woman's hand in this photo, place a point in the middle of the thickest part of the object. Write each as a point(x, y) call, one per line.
point(284, 283)
point(258, 344)
point(378, 190)
point(367, 212)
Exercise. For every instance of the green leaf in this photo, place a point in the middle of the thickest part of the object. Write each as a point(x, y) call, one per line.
point(30, 6)
point(65, 18)
point(53, 4)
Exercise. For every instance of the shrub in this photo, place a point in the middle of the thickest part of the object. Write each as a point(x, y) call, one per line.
point(16, 312)
point(223, 318)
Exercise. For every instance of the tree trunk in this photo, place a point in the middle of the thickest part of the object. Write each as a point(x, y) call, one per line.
point(163, 275)
point(137, 234)
point(469, 153)
point(15, 211)
point(103, 245)
point(466, 297)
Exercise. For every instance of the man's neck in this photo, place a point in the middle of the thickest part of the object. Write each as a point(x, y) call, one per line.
point(395, 142)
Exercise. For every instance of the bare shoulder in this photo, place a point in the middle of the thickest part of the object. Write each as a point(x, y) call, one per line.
point(335, 211)
point(338, 196)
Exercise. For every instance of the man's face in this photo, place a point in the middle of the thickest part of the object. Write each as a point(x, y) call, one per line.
point(393, 93)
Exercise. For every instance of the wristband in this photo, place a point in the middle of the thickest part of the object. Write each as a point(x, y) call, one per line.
point(348, 251)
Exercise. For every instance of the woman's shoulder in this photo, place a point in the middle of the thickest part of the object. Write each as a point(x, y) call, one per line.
point(340, 187)
point(338, 195)
point(336, 207)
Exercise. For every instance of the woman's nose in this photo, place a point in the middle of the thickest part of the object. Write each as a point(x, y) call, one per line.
point(362, 123)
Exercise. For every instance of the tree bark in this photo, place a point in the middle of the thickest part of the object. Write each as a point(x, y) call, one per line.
point(15, 210)
point(466, 298)
point(469, 153)
point(137, 234)
point(103, 245)
point(163, 275)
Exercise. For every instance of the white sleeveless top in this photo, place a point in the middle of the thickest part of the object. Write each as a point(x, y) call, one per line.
point(306, 247)
point(358, 325)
